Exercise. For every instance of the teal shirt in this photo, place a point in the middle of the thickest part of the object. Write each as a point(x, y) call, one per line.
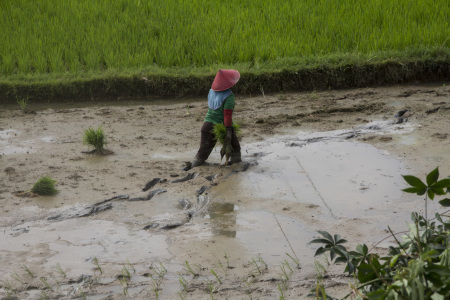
point(216, 116)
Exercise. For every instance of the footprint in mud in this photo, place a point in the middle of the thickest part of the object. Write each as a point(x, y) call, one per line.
point(186, 178)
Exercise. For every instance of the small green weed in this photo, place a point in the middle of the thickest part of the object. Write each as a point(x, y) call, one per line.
point(45, 186)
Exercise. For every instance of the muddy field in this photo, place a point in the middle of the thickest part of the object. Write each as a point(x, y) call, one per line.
point(311, 161)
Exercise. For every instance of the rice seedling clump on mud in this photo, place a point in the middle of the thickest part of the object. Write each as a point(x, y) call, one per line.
point(96, 138)
point(45, 186)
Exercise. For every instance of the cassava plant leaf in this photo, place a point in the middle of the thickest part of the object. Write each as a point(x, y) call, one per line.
point(414, 181)
point(430, 194)
point(327, 236)
point(438, 191)
point(321, 241)
point(441, 184)
point(320, 251)
point(433, 176)
point(445, 202)
point(415, 190)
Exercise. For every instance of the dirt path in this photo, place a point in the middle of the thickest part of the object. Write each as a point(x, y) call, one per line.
point(153, 140)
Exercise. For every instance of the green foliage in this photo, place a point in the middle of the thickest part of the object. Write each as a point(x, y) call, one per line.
point(220, 132)
point(417, 268)
point(45, 186)
point(51, 36)
point(95, 138)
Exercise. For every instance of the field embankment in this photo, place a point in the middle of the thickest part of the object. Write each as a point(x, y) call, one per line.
point(97, 49)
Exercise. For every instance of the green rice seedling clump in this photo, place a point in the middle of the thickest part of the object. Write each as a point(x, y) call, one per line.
point(95, 138)
point(45, 186)
point(220, 132)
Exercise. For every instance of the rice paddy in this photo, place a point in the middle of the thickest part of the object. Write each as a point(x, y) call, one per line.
point(72, 37)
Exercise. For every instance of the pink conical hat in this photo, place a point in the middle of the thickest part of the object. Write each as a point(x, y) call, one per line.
point(225, 79)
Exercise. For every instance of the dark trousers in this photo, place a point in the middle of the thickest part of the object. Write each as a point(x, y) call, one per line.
point(208, 142)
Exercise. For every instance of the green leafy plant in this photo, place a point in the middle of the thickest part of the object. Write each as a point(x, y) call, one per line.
point(45, 186)
point(418, 267)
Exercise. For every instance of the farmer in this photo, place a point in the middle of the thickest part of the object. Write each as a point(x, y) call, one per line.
point(221, 105)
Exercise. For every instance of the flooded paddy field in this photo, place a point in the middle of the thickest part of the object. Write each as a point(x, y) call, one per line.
point(135, 225)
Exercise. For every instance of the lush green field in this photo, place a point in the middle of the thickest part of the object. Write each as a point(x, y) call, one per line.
point(54, 36)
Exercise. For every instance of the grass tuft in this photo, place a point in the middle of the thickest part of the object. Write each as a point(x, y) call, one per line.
point(45, 186)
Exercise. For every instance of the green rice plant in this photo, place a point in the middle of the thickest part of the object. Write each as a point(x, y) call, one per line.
point(255, 263)
point(47, 285)
point(261, 260)
point(16, 277)
point(183, 282)
point(189, 269)
point(29, 272)
point(162, 32)
point(320, 269)
point(215, 275)
point(280, 289)
point(131, 266)
point(97, 265)
point(295, 260)
point(60, 270)
point(156, 287)
point(8, 287)
point(285, 274)
point(160, 270)
point(82, 293)
point(220, 132)
point(211, 288)
point(228, 261)
point(45, 186)
point(23, 102)
point(43, 295)
point(223, 269)
point(125, 272)
point(95, 138)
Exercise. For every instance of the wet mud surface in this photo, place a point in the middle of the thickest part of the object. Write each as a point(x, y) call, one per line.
point(135, 225)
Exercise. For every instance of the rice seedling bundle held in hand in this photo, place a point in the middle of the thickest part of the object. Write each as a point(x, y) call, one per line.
point(220, 132)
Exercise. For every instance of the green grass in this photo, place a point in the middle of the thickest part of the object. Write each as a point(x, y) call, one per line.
point(45, 186)
point(72, 37)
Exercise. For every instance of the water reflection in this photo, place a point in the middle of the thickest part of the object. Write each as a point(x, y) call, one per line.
point(223, 219)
